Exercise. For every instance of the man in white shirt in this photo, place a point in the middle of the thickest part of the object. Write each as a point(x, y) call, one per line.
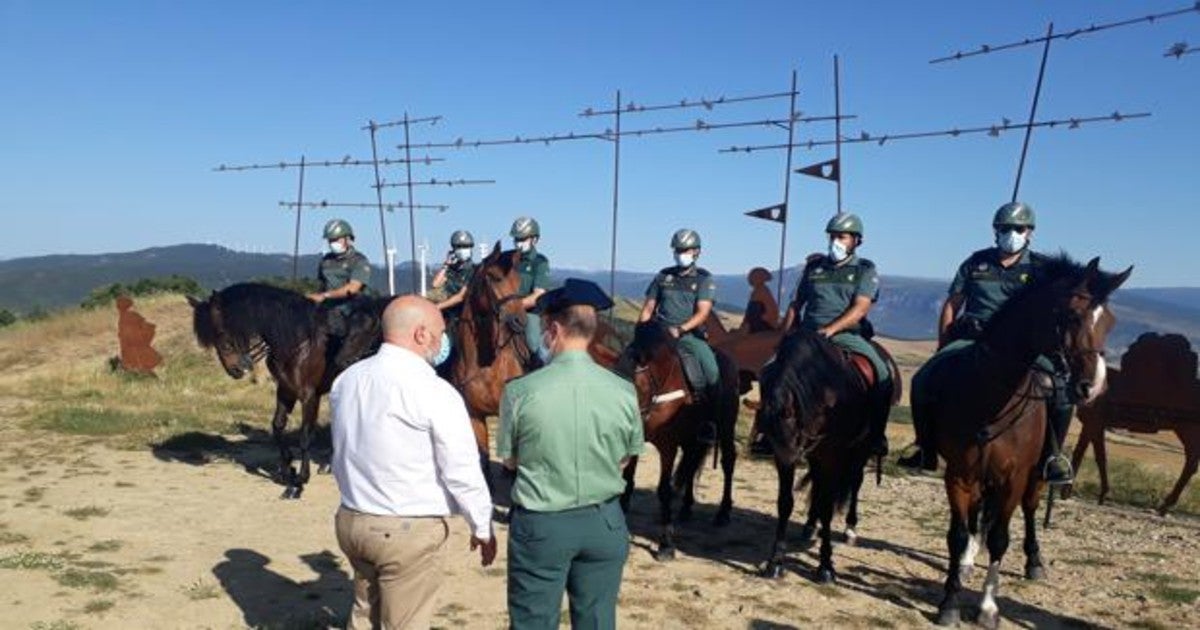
point(404, 459)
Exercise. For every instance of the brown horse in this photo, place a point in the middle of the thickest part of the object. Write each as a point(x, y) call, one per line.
point(671, 417)
point(489, 342)
point(1108, 412)
point(986, 408)
point(249, 321)
point(817, 405)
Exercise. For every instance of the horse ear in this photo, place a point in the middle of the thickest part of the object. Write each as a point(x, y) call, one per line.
point(1093, 266)
point(193, 301)
point(495, 253)
point(1110, 282)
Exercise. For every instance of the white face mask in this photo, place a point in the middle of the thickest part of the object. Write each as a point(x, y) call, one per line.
point(442, 353)
point(684, 259)
point(463, 254)
point(337, 247)
point(1010, 242)
point(524, 246)
point(543, 350)
point(838, 251)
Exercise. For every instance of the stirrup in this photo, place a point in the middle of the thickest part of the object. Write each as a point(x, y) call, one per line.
point(1068, 475)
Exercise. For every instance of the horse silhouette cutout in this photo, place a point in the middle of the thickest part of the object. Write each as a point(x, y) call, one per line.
point(134, 335)
point(1155, 390)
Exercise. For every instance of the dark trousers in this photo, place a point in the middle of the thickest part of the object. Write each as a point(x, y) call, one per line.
point(582, 550)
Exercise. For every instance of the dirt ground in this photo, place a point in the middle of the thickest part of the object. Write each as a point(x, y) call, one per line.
point(95, 536)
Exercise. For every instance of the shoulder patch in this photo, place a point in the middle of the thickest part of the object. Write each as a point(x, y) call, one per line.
point(814, 257)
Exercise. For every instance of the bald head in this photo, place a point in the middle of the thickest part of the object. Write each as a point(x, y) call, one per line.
point(414, 323)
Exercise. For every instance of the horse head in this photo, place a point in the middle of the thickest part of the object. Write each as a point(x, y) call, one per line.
point(491, 296)
point(208, 326)
point(1085, 322)
point(800, 387)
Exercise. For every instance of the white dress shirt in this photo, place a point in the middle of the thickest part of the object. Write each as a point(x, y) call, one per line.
point(402, 442)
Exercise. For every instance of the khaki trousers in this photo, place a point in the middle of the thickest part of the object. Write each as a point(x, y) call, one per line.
point(397, 567)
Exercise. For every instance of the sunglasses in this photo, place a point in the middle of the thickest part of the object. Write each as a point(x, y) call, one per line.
point(1019, 229)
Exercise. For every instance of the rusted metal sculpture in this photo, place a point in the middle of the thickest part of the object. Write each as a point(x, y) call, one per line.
point(134, 334)
point(1155, 390)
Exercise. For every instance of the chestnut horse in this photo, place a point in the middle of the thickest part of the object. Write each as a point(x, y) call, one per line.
point(247, 321)
point(671, 417)
point(986, 406)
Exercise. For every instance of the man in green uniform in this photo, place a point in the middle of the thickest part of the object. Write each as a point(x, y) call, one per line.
point(680, 298)
point(567, 431)
point(836, 292)
point(535, 280)
point(982, 285)
point(454, 275)
point(343, 274)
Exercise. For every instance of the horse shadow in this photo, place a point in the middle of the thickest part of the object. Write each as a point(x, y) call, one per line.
point(270, 600)
point(255, 452)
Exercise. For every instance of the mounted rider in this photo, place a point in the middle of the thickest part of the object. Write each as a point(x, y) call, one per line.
point(835, 293)
point(534, 269)
point(680, 297)
point(454, 275)
point(343, 274)
point(983, 283)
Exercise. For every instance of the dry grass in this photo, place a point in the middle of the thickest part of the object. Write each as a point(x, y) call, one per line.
point(201, 589)
point(86, 512)
point(1135, 484)
point(31, 560)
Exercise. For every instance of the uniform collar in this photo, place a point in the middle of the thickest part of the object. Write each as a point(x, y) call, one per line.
point(686, 271)
point(349, 251)
point(529, 255)
point(572, 356)
point(998, 255)
point(410, 359)
point(850, 261)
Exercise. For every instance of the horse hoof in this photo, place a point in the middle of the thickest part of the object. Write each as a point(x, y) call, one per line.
point(948, 617)
point(806, 535)
point(721, 519)
point(826, 576)
point(324, 469)
point(665, 554)
point(289, 493)
point(773, 570)
point(1035, 573)
point(989, 619)
point(851, 537)
point(965, 572)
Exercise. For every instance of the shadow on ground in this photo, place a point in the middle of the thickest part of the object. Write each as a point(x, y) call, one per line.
point(270, 600)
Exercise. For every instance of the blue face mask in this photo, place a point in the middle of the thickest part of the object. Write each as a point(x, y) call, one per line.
point(443, 352)
point(838, 252)
point(543, 350)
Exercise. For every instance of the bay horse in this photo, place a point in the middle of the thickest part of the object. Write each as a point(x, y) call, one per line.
point(671, 417)
point(249, 321)
point(990, 423)
point(489, 343)
point(817, 405)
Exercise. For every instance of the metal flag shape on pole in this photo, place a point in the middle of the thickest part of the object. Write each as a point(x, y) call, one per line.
point(776, 213)
point(829, 169)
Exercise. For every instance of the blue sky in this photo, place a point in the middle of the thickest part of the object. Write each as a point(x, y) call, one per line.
point(115, 113)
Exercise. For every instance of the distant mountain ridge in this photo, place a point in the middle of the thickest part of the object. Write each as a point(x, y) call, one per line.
point(907, 307)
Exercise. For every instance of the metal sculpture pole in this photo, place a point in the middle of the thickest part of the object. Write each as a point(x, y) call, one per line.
point(379, 199)
point(1037, 93)
point(299, 211)
point(612, 264)
point(837, 126)
point(787, 188)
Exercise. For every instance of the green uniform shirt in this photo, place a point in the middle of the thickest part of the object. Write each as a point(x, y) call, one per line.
point(568, 425)
point(535, 272)
point(676, 290)
point(337, 270)
point(458, 277)
point(826, 289)
point(985, 285)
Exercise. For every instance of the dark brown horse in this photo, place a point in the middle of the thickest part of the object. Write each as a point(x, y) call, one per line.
point(490, 347)
point(671, 417)
point(986, 408)
point(248, 321)
point(817, 405)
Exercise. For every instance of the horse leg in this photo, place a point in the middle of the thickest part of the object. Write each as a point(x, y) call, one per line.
point(783, 504)
point(728, 446)
point(852, 514)
point(957, 538)
point(1085, 438)
point(685, 484)
point(308, 424)
point(1191, 453)
point(479, 427)
point(1100, 450)
point(823, 502)
point(1034, 568)
point(966, 565)
point(997, 542)
point(666, 496)
point(629, 473)
point(284, 403)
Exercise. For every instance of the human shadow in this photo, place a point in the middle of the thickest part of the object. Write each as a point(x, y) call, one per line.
point(255, 452)
point(270, 600)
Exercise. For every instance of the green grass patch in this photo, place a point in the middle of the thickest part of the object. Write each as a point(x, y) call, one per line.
point(1174, 594)
point(95, 580)
point(98, 421)
point(31, 560)
point(86, 512)
point(34, 494)
point(97, 606)
point(12, 538)
point(1149, 624)
point(1135, 484)
point(106, 545)
point(60, 624)
point(900, 415)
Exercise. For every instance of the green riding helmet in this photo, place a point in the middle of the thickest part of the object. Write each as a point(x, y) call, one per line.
point(337, 228)
point(685, 239)
point(1015, 213)
point(461, 238)
point(525, 227)
point(845, 222)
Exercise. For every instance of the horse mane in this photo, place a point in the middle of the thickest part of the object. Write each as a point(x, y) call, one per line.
point(250, 311)
point(805, 370)
point(1057, 273)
